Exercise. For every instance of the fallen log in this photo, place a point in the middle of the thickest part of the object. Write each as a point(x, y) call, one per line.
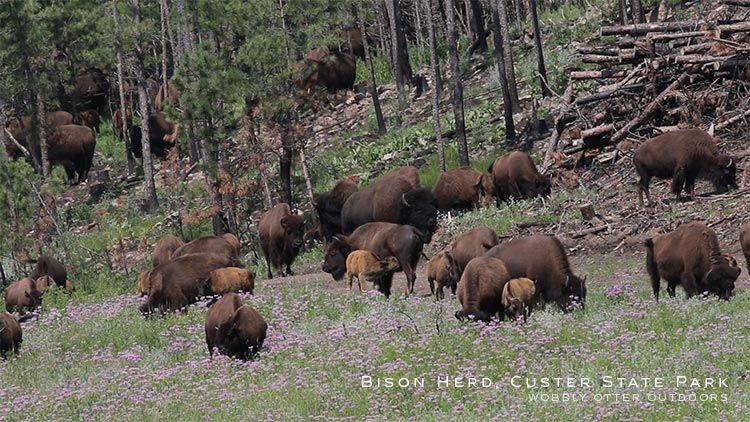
point(726, 123)
point(645, 28)
point(593, 230)
point(733, 28)
point(560, 121)
point(608, 94)
point(597, 131)
point(743, 3)
point(600, 59)
point(678, 35)
point(598, 74)
point(605, 51)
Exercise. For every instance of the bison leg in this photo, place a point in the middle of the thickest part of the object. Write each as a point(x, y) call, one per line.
point(643, 184)
point(689, 285)
point(678, 182)
point(361, 282)
point(268, 264)
point(410, 278)
point(289, 269)
point(432, 287)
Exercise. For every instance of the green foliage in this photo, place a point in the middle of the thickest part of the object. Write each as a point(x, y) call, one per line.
point(17, 202)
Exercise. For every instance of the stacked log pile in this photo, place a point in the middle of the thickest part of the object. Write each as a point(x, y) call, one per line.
point(656, 77)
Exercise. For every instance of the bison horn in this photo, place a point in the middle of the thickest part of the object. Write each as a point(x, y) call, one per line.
point(730, 163)
point(403, 200)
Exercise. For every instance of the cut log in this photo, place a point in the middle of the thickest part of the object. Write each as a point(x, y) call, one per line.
point(605, 51)
point(734, 28)
point(743, 3)
point(593, 230)
point(560, 122)
point(726, 123)
point(597, 131)
point(678, 35)
point(598, 74)
point(645, 28)
point(587, 212)
point(600, 59)
point(608, 94)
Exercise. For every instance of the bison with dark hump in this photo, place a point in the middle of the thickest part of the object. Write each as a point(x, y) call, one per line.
point(333, 70)
point(281, 238)
point(88, 118)
point(226, 244)
point(480, 290)
point(463, 189)
point(11, 335)
point(20, 128)
point(690, 256)
point(471, 244)
point(394, 198)
point(164, 249)
point(683, 155)
point(382, 239)
point(543, 259)
point(235, 329)
point(72, 146)
point(50, 266)
point(180, 282)
point(515, 176)
point(328, 206)
point(162, 135)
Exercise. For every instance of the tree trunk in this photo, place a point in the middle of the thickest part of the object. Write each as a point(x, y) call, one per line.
point(164, 76)
point(541, 69)
point(268, 198)
point(306, 175)
point(400, 54)
point(121, 93)
point(477, 25)
point(41, 121)
point(431, 6)
point(637, 8)
point(519, 14)
point(458, 94)
point(623, 11)
point(419, 38)
point(510, 71)
point(148, 169)
point(371, 73)
point(285, 166)
point(510, 130)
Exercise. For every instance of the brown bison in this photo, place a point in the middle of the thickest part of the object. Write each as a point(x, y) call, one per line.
point(162, 135)
point(683, 155)
point(45, 282)
point(72, 146)
point(20, 128)
point(332, 70)
point(463, 189)
point(231, 279)
point(117, 121)
point(235, 329)
point(90, 119)
point(480, 290)
point(280, 235)
point(180, 282)
point(443, 271)
point(745, 243)
point(475, 242)
point(515, 175)
point(172, 98)
point(393, 199)
point(691, 257)
point(11, 335)
point(91, 89)
point(382, 239)
point(328, 206)
point(219, 245)
point(48, 265)
point(143, 283)
point(519, 297)
point(23, 296)
point(164, 249)
point(543, 259)
point(353, 41)
point(365, 266)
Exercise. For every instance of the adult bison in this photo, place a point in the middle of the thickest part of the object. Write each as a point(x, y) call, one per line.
point(683, 155)
point(164, 249)
point(235, 329)
point(394, 198)
point(333, 70)
point(88, 118)
point(382, 239)
point(480, 290)
point(20, 128)
point(690, 256)
point(745, 243)
point(90, 90)
point(22, 296)
point(226, 244)
point(463, 189)
point(471, 244)
point(328, 206)
point(543, 259)
point(11, 335)
point(50, 266)
point(281, 236)
point(72, 146)
point(515, 175)
point(162, 135)
point(353, 41)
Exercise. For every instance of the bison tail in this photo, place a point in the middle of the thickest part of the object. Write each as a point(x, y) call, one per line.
point(651, 267)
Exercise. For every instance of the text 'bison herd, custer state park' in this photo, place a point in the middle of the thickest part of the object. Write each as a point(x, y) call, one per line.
point(371, 232)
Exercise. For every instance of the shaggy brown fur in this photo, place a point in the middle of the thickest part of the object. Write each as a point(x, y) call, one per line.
point(463, 189)
point(43, 283)
point(745, 243)
point(480, 290)
point(88, 118)
point(231, 279)
point(236, 330)
point(281, 238)
point(365, 266)
point(475, 242)
point(72, 146)
point(515, 176)
point(143, 283)
point(172, 98)
point(443, 271)
point(165, 247)
point(11, 335)
point(328, 206)
point(683, 155)
point(690, 256)
point(234, 241)
point(332, 70)
point(48, 265)
point(543, 259)
point(207, 244)
point(22, 296)
point(519, 297)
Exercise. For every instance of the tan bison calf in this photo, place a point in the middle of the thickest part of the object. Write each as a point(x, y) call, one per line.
point(23, 296)
point(231, 279)
point(143, 283)
point(11, 334)
point(515, 176)
point(519, 297)
point(235, 329)
point(463, 189)
point(690, 256)
point(480, 290)
point(365, 266)
point(443, 271)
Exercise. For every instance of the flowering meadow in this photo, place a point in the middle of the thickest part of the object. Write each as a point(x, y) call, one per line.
point(91, 361)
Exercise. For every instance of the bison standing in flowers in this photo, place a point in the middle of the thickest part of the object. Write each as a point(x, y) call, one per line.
point(281, 238)
point(365, 266)
point(235, 329)
point(11, 334)
point(480, 290)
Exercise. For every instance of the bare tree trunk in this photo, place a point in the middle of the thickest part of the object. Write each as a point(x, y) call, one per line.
point(121, 92)
point(477, 25)
point(282, 18)
point(306, 175)
point(419, 37)
point(431, 7)
point(541, 69)
point(510, 71)
point(285, 166)
point(266, 188)
point(148, 169)
point(400, 53)
point(519, 14)
point(510, 131)
point(170, 35)
point(371, 73)
point(637, 8)
point(458, 93)
point(623, 11)
point(41, 121)
point(165, 78)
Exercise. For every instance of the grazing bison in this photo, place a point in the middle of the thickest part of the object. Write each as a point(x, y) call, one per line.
point(143, 283)
point(481, 288)
point(90, 119)
point(22, 296)
point(463, 189)
point(45, 282)
point(543, 259)
point(443, 271)
point(172, 98)
point(515, 175)
point(219, 245)
point(475, 242)
point(332, 70)
point(365, 266)
point(382, 239)
point(519, 297)
point(48, 265)
point(328, 206)
point(280, 235)
point(393, 199)
point(20, 128)
point(72, 146)
point(231, 279)
point(691, 257)
point(164, 249)
point(683, 155)
point(180, 282)
point(162, 135)
point(11, 335)
point(235, 329)
point(745, 243)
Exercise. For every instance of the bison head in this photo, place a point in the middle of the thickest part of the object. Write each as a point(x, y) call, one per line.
point(515, 309)
point(418, 208)
point(720, 280)
point(335, 260)
point(574, 292)
point(485, 189)
point(294, 231)
point(725, 174)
